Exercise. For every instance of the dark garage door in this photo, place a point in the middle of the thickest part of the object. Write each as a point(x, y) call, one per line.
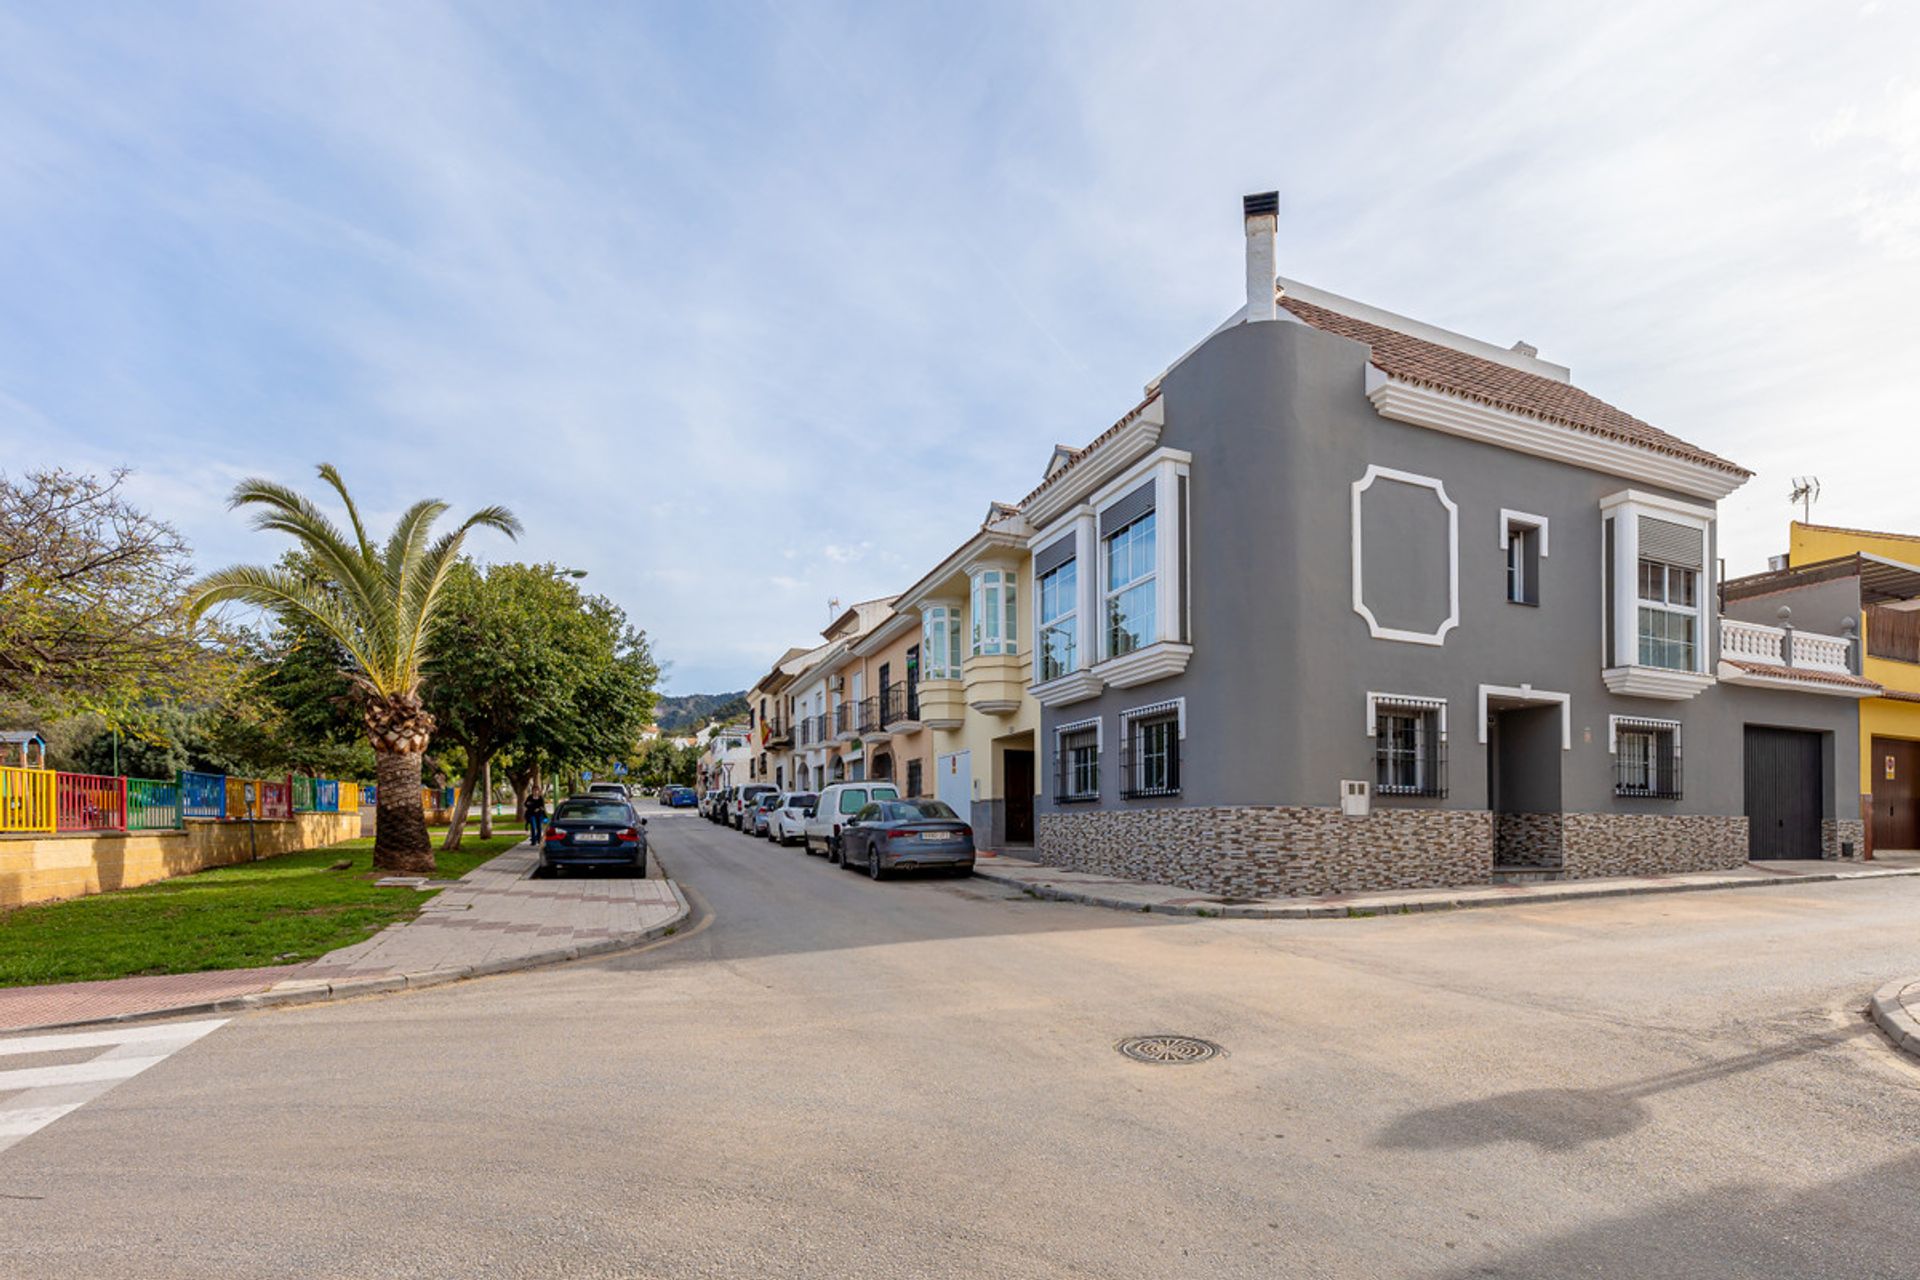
point(1783, 793)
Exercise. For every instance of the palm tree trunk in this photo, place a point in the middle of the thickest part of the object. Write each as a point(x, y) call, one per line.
point(400, 840)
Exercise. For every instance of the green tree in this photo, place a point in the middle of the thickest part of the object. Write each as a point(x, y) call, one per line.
point(511, 644)
point(379, 605)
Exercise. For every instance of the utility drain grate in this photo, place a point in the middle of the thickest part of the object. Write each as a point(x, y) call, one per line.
point(1163, 1050)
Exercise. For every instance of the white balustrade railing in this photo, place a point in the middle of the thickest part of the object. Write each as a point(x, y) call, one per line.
point(1757, 642)
point(1752, 641)
point(1821, 653)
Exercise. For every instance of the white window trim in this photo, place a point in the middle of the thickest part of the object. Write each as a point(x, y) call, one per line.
point(1616, 723)
point(1537, 697)
point(1176, 705)
point(1625, 508)
point(1414, 702)
point(1510, 518)
point(1378, 632)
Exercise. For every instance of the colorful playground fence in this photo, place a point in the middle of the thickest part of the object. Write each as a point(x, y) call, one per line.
point(152, 805)
point(26, 799)
point(45, 800)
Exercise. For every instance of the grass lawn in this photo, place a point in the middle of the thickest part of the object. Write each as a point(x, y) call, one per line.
point(276, 911)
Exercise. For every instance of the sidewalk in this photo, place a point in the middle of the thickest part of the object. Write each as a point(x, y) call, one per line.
point(492, 920)
point(1896, 1008)
point(1134, 895)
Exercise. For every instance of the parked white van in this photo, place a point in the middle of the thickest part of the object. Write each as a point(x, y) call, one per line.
point(837, 803)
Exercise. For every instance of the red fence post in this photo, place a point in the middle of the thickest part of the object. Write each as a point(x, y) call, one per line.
point(123, 802)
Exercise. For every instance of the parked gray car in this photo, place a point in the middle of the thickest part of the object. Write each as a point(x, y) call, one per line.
point(907, 835)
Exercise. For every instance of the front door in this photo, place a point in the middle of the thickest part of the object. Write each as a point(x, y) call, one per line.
point(1019, 797)
point(1783, 793)
point(1896, 796)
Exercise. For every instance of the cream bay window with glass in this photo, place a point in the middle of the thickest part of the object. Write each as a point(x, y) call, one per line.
point(1656, 570)
point(995, 615)
point(940, 642)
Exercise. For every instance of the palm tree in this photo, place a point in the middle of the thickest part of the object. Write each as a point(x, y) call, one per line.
point(379, 605)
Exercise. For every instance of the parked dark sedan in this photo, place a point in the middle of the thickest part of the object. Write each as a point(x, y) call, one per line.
point(907, 835)
point(594, 831)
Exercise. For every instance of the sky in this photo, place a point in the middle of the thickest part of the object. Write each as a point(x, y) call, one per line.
point(746, 307)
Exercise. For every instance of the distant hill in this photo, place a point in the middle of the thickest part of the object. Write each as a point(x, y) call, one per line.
point(689, 710)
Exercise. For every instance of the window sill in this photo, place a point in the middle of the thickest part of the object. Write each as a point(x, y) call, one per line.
point(1149, 793)
point(1076, 686)
point(1086, 799)
point(1656, 682)
point(1154, 662)
point(1629, 793)
point(1414, 793)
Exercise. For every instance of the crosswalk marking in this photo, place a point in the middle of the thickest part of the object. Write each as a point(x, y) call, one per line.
point(34, 1097)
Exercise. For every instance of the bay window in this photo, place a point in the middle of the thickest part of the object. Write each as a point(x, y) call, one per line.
point(1059, 634)
point(1131, 588)
point(940, 642)
point(994, 612)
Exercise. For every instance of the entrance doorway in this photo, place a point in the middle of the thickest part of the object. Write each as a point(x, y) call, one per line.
point(1783, 772)
point(1524, 750)
point(1019, 765)
point(1896, 794)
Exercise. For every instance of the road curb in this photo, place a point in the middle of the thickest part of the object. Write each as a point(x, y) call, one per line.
point(1890, 1013)
point(1328, 911)
point(316, 990)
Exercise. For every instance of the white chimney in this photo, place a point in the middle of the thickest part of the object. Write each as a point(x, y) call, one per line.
point(1263, 218)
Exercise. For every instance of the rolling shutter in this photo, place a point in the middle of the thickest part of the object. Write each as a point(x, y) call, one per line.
point(1127, 510)
point(1671, 543)
point(1052, 556)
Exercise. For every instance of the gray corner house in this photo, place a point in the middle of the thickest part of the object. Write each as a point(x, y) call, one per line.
point(1351, 602)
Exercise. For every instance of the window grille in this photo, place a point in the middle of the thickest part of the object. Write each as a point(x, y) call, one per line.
point(1646, 759)
point(1076, 764)
point(1409, 750)
point(1150, 756)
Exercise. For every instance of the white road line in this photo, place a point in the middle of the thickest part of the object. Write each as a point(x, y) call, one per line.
point(184, 1032)
point(42, 1095)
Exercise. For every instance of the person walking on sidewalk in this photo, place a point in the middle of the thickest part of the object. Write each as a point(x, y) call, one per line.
point(536, 817)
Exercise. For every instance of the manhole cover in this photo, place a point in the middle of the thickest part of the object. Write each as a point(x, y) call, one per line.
point(1164, 1049)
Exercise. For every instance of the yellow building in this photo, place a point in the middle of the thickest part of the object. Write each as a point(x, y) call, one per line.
point(1889, 724)
point(975, 664)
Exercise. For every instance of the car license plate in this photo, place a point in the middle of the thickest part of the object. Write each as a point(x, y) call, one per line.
point(939, 835)
point(593, 837)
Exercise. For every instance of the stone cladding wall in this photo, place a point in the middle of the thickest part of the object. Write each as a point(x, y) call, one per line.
point(1264, 851)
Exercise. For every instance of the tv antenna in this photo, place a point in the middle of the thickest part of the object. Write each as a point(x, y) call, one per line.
point(1806, 492)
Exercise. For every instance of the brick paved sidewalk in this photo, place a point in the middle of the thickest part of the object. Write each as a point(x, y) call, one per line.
point(493, 919)
point(1136, 895)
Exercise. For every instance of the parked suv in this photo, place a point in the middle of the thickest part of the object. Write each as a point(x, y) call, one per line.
point(740, 808)
point(837, 803)
point(717, 809)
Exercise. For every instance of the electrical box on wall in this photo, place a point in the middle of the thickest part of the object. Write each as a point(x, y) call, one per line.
point(1356, 798)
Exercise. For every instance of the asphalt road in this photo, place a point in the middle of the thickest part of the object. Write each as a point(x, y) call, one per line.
point(829, 1077)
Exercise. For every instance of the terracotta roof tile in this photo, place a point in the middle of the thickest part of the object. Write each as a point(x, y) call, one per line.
point(1403, 356)
point(1802, 673)
point(1080, 454)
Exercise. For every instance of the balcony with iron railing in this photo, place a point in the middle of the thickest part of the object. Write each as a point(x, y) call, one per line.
point(779, 731)
point(846, 720)
point(869, 715)
point(900, 708)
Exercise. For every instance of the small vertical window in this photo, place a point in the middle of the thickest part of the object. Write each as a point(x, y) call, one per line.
point(1150, 743)
point(1409, 750)
point(1523, 564)
point(1077, 764)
